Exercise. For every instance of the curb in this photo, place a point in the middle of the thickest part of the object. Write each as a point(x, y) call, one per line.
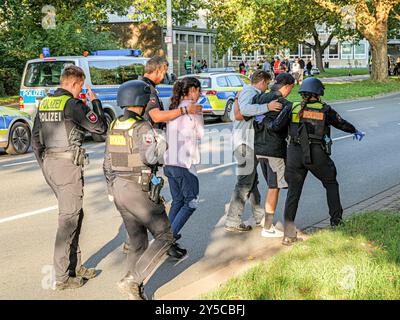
point(379, 202)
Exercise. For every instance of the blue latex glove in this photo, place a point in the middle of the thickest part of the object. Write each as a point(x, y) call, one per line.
point(260, 118)
point(358, 135)
point(155, 181)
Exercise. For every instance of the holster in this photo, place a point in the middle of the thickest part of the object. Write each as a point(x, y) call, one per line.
point(80, 158)
point(145, 180)
point(155, 191)
point(327, 147)
point(305, 144)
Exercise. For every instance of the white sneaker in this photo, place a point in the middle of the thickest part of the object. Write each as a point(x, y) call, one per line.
point(271, 233)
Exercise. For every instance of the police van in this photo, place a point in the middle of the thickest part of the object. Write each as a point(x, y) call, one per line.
point(105, 71)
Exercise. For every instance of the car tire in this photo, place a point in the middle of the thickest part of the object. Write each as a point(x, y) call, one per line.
point(19, 139)
point(103, 137)
point(228, 108)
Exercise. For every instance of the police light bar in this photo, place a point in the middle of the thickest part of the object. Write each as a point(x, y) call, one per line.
point(122, 52)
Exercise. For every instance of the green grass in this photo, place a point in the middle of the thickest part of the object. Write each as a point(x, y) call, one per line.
point(353, 90)
point(341, 72)
point(9, 100)
point(358, 261)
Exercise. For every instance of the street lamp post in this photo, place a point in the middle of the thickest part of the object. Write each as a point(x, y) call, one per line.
point(170, 54)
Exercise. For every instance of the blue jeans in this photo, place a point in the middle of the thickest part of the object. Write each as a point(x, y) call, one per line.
point(184, 187)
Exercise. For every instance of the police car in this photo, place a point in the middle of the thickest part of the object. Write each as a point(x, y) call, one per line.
point(218, 92)
point(105, 71)
point(15, 130)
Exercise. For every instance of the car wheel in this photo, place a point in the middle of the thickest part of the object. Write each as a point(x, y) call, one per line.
point(19, 139)
point(103, 137)
point(228, 109)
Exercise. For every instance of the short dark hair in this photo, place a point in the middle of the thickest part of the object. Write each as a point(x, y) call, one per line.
point(155, 63)
point(72, 71)
point(282, 80)
point(260, 75)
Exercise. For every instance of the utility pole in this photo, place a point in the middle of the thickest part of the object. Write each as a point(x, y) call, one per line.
point(169, 38)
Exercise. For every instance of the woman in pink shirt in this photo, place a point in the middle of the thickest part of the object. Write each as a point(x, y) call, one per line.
point(183, 135)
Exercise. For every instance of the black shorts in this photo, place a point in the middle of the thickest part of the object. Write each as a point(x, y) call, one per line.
point(273, 170)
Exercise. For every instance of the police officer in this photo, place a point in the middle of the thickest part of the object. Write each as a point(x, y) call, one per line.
point(309, 150)
point(58, 132)
point(133, 149)
point(154, 73)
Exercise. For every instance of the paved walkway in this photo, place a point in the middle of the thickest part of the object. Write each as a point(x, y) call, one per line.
point(346, 79)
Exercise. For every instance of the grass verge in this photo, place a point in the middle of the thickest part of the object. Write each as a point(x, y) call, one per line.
point(8, 100)
point(342, 72)
point(353, 90)
point(360, 260)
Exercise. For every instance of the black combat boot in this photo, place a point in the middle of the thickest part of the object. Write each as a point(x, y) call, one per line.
point(177, 252)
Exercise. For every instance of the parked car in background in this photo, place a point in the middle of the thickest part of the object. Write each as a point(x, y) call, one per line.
point(15, 130)
point(218, 92)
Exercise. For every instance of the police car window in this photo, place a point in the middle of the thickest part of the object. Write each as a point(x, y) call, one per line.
point(235, 81)
point(222, 82)
point(114, 72)
point(205, 82)
point(45, 74)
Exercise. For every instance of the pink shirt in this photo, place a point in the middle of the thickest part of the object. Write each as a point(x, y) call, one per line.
point(183, 135)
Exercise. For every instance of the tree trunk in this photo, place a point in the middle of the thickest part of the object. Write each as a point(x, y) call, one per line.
point(379, 59)
point(379, 54)
point(318, 57)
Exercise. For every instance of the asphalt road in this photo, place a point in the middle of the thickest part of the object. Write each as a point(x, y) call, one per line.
point(28, 215)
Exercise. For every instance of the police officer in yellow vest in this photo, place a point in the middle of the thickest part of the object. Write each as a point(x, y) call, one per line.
point(133, 151)
point(58, 132)
point(309, 149)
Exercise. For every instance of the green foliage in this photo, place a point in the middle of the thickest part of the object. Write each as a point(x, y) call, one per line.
point(358, 261)
point(78, 28)
point(183, 11)
point(269, 24)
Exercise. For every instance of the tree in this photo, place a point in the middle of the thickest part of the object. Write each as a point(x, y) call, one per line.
point(183, 11)
point(274, 25)
point(371, 20)
point(23, 32)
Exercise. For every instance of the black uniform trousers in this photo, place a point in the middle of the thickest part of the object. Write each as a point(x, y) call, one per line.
point(323, 168)
point(140, 214)
point(66, 181)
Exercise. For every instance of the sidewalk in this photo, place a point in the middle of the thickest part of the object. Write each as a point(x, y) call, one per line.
point(345, 79)
point(222, 262)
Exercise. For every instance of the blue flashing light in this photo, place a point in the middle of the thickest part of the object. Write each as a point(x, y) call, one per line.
point(122, 52)
point(46, 52)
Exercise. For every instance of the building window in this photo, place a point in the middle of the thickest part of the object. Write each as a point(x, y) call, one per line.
point(191, 38)
point(182, 37)
point(306, 51)
point(334, 51)
point(198, 39)
point(206, 39)
point(347, 51)
point(360, 51)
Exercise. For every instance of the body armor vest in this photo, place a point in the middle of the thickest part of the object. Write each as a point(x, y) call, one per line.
point(123, 146)
point(313, 119)
point(56, 132)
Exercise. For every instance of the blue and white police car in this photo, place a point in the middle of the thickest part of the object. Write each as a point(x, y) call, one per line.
point(105, 71)
point(15, 130)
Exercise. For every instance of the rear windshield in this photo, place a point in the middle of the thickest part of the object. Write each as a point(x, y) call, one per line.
point(45, 74)
point(205, 82)
point(114, 72)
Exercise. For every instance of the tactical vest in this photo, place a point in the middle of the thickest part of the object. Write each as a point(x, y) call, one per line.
point(314, 120)
point(123, 146)
point(56, 132)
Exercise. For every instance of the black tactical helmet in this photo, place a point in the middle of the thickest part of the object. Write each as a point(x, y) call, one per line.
point(133, 93)
point(312, 85)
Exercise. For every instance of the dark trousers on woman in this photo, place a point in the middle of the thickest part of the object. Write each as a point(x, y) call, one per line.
point(323, 168)
point(184, 187)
